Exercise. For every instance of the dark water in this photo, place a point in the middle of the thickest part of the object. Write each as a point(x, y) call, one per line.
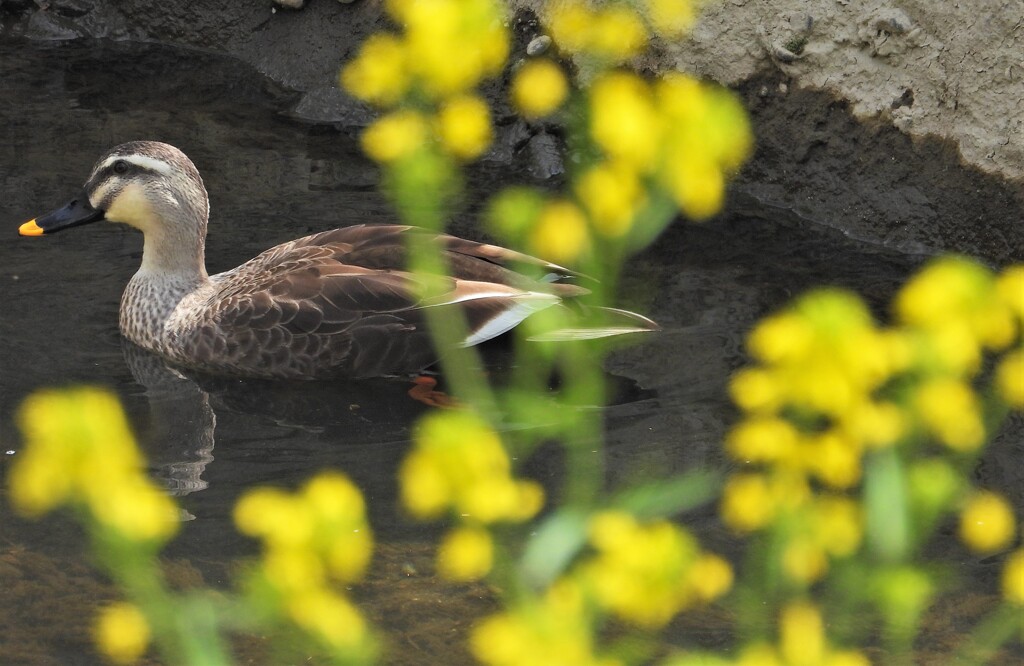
point(272, 179)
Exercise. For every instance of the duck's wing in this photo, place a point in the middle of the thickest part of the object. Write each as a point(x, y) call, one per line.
point(303, 310)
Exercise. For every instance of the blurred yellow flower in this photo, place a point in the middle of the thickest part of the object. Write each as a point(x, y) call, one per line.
point(671, 18)
point(379, 74)
point(780, 338)
point(122, 632)
point(944, 290)
point(560, 232)
point(395, 136)
point(1010, 379)
point(950, 410)
point(624, 121)
point(756, 390)
point(459, 463)
point(838, 524)
point(747, 502)
point(710, 577)
point(465, 554)
point(539, 88)
point(833, 458)
point(641, 572)
point(697, 185)
point(1013, 578)
point(464, 125)
point(612, 193)
point(328, 616)
point(616, 33)
point(804, 560)
point(79, 448)
point(1010, 290)
point(987, 523)
point(556, 629)
point(802, 635)
point(762, 439)
point(569, 22)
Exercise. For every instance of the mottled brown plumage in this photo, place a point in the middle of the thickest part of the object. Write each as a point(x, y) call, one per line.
point(336, 303)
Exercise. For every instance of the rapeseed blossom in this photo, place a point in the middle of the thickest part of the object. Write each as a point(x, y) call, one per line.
point(647, 573)
point(312, 540)
point(459, 465)
point(122, 632)
point(987, 523)
point(554, 629)
point(418, 64)
point(1013, 578)
point(539, 88)
point(80, 450)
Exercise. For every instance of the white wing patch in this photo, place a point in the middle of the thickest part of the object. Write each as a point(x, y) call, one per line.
point(519, 308)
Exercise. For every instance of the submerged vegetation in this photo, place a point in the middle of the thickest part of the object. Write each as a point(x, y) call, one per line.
point(853, 447)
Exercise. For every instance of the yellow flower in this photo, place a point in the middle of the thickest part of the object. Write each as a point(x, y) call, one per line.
point(395, 136)
point(136, 509)
point(671, 18)
point(640, 572)
point(875, 424)
point(838, 525)
point(987, 523)
point(710, 577)
point(122, 632)
point(464, 124)
point(539, 88)
point(747, 502)
point(945, 290)
point(554, 630)
point(1010, 290)
point(560, 233)
point(759, 654)
point(459, 463)
point(762, 439)
point(950, 410)
point(780, 338)
point(696, 184)
point(847, 658)
point(803, 560)
point(465, 554)
point(756, 390)
point(328, 616)
point(834, 459)
point(802, 634)
point(616, 33)
point(379, 74)
point(570, 22)
point(624, 121)
point(293, 570)
point(613, 193)
point(1010, 379)
point(1013, 578)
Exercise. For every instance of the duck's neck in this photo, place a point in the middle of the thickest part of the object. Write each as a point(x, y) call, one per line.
point(173, 266)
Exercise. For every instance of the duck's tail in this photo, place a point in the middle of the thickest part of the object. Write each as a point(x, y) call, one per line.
point(591, 323)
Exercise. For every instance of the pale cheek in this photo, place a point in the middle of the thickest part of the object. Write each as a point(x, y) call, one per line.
point(130, 207)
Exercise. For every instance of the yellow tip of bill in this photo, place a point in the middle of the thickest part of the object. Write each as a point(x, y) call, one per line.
point(30, 228)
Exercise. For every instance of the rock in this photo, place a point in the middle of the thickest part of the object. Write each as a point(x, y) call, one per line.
point(545, 156)
point(538, 45)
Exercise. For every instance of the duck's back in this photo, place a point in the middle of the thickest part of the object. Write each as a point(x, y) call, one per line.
point(340, 303)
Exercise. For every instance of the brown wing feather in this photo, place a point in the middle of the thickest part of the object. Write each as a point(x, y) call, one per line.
point(341, 303)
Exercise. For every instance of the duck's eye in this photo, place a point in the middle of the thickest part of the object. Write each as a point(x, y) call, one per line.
point(120, 167)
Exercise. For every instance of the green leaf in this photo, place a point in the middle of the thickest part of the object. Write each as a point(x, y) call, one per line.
point(668, 497)
point(553, 546)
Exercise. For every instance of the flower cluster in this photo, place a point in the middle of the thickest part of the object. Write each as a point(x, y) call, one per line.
point(79, 450)
point(445, 49)
point(459, 464)
point(831, 386)
point(647, 573)
point(311, 538)
point(676, 138)
point(555, 628)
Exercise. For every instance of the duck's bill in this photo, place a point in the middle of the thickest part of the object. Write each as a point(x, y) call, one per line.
point(77, 212)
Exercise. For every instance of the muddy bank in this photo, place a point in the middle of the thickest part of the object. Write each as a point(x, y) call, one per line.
point(873, 153)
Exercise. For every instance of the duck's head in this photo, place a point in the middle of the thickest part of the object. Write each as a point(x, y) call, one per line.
point(148, 185)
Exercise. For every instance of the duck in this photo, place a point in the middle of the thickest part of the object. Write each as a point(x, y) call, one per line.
point(338, 303)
